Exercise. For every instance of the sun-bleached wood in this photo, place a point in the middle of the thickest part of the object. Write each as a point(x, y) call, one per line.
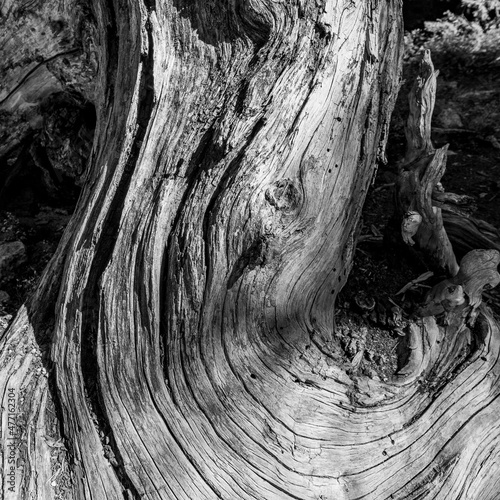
point(179, 344)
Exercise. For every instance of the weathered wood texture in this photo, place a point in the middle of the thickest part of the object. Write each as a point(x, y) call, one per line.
point(434, 354)
point(186, 318)
point(419, 174)
point(440, 223)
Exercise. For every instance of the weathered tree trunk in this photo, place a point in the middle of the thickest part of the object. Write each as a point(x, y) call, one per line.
point(178, 345)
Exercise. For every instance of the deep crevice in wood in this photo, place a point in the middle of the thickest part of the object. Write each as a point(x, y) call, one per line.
point(236, 405)
point(103, 250)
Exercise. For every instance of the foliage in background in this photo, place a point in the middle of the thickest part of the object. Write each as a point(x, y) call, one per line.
point(485, 12)
point(467, 38)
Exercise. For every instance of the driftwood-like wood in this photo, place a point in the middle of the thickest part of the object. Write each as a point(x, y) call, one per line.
point(477, 269)
point(439, 222)
point(419, 174)
point(178, 346)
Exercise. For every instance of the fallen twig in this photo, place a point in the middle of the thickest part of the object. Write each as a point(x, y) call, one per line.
point(422, 277)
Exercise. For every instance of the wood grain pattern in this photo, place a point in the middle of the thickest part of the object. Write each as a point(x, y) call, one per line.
point(186, 318)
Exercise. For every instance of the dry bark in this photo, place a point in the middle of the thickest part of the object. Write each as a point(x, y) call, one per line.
point(439, 222)
point(419, 174)
point(178, 344)
point(456, 334)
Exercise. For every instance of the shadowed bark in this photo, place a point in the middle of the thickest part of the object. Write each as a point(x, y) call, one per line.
point(439, 222)
point(178, 346)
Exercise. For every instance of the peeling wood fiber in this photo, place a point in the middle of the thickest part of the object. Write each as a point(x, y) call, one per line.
point(189, 346)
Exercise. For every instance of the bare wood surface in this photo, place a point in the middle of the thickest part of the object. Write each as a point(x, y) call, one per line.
point(184, 322)
point(478, 269)
point(419, 174)
point(440, 223)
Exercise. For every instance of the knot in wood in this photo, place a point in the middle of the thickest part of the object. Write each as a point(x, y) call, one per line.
point(284, 196)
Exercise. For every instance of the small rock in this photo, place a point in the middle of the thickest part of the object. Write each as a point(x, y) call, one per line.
point(12, 254)
point(370, 372)
point(449, 118)
point(4, 297)
point(364, 302)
